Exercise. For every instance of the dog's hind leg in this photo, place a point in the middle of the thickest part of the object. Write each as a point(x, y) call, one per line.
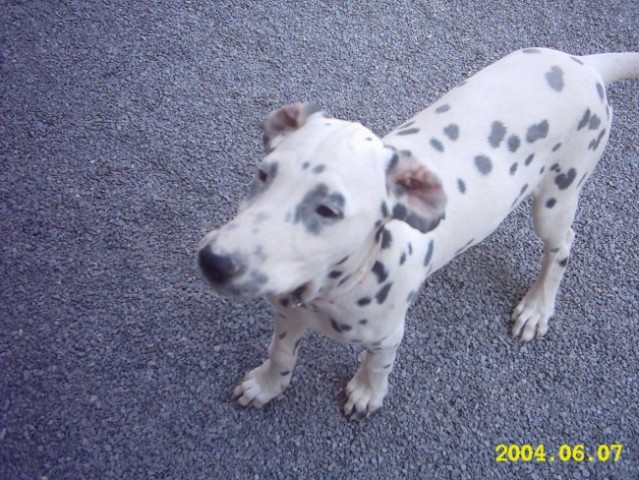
point(552, 219)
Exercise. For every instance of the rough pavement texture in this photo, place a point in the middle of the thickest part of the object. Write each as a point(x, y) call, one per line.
point(128, 129)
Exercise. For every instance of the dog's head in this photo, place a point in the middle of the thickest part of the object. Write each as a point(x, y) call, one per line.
point(323, 191)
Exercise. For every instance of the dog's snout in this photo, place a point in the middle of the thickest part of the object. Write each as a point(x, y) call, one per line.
point(218, 269)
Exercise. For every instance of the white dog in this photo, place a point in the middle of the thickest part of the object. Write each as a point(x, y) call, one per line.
point(340, 227)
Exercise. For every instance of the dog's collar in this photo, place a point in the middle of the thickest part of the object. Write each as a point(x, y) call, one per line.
point(295, 299)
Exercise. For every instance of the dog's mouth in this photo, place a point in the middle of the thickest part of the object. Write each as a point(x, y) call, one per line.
point(295, 298)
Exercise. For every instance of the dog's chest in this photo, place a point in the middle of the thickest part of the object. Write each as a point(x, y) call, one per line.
point(375, 307)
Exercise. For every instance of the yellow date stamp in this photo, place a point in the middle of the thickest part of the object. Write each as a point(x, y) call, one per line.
point(511, 453)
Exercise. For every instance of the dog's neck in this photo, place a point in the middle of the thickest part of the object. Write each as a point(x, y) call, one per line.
point(339, 278)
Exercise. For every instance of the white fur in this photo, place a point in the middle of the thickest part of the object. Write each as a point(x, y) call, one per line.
point(536, 122)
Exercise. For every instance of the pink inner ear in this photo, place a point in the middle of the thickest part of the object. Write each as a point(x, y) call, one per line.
point(416, 181)
point(281, 122)
point(291, 115)
point(423, 187)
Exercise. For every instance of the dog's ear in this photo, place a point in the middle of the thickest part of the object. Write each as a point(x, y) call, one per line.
point(416, 194)
point(284, 121)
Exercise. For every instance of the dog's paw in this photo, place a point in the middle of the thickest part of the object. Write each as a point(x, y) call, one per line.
point(531, 318)
point(364, 396)
point(260, 386)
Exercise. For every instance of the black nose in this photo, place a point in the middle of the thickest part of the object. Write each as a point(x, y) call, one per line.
point(218, 269)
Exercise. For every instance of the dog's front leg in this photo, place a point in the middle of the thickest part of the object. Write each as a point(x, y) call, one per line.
point(367, 389)
point(267, 381)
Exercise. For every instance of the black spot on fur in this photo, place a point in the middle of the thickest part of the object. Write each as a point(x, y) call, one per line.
point(513, 143)
point(340, 327)
point(497, 134)
point(563, 180)
point(555, 78)
point(513, 168)
point(380, 272)
point(594, 123)
point(384, 210)
point(550, 202)
point(483, 164)
point(319, 168)
point(594, 144)
point(378, 234)
point(409, 131)
point(585, 119)
point(531, 50)
point(335, 274)
point(452, 131)
point(364, 301)
point(555, 168)
point(429, 253)
point(436, 144)
point(529, 159)
point(387, 239)
point(363, 321)
point(556, 147)
point(537, 132)
point(564, 262)
point(400, 212)
point(423, 224)
point(402, 258)
point(461, 185)
point(442, 108)
point(576, 60)
point(383, 293)
point(600, 91)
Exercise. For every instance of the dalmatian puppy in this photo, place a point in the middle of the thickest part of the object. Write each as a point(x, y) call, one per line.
point(341, 227)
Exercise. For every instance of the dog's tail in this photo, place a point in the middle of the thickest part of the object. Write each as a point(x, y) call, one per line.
point(614, 66)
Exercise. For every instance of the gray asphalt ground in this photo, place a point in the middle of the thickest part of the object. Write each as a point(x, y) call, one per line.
point(128, 129)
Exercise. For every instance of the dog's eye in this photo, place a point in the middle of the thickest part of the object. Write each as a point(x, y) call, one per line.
point(262, 175)
point(328, 212)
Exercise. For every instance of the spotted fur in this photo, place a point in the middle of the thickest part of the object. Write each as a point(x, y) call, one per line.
point(340, 227)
